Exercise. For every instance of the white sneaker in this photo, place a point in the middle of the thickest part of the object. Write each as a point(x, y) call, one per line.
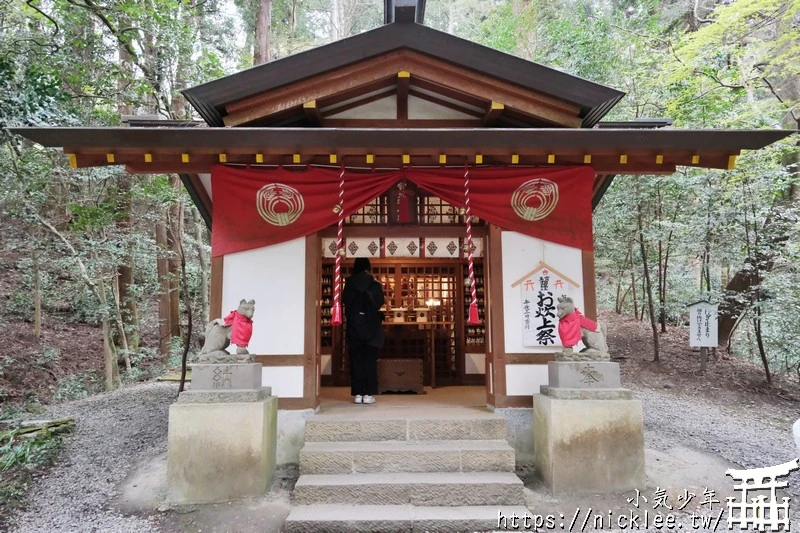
point(368, 399)
point(359, 398)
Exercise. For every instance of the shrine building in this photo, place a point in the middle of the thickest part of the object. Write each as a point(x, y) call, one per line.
point(418, 150)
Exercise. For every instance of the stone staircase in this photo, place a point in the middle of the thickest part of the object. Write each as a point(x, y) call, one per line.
point(395, 470)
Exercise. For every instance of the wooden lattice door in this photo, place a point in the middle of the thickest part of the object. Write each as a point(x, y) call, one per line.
point(410, 287)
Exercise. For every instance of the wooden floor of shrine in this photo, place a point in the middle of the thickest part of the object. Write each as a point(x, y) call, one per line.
point(335, 400)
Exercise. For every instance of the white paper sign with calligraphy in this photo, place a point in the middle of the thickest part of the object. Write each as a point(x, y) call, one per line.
point(539, 293)
point(703, 325)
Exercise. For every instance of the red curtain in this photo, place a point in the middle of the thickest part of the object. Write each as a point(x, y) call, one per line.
point(261, 207)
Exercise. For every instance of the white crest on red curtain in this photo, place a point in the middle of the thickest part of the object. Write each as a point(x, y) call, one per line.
point(279, 204)
point(535, 199)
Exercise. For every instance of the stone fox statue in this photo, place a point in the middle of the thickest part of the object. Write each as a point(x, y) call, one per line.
point(573, 326)
point(236, 328)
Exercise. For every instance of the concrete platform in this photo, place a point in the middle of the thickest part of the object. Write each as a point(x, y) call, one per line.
point(394, 518)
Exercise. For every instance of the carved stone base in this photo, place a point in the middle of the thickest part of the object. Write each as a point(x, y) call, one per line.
point(222, 377)
point(221, 451)
point(583, 375)
point(584, 445)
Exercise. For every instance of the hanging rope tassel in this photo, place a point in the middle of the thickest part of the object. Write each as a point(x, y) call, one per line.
point(473, 306)
point(336, 313)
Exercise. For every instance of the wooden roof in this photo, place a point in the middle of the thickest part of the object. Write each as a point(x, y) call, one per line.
point(401, 57)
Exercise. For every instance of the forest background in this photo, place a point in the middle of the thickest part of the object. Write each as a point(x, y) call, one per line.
point(90, 258)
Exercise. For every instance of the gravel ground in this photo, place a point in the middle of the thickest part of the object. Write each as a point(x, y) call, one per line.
point(751, 434)
point(114, 431)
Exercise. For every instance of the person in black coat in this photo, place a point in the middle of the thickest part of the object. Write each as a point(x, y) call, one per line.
point(362, 298)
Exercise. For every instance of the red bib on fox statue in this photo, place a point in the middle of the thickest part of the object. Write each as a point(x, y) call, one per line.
point(569, 328)
point(241, 323)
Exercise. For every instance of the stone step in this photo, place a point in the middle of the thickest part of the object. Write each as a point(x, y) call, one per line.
point(431, 489)
point(332, 518)
point(327, 428)
point(406, 456)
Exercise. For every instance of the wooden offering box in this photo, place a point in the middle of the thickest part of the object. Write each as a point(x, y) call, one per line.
point(400, 375)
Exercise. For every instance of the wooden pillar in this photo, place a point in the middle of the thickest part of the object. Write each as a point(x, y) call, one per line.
point(312, 360)
point(589, 286)
point(497, 355)
point(215, 293)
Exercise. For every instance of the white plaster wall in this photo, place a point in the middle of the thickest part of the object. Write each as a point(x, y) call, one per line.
point(385, 108)
point(286, 381)
point(525, 380)
point(475, 363)
point(521, 254)
point(205, 179)
point(422, 109)
point(275, 276)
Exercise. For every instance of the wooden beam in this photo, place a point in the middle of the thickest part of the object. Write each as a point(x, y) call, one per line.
point(545, 108)
point(403, 83)
point(359, 75)
point(492, 114)
point(410, 123)
point(312, 113)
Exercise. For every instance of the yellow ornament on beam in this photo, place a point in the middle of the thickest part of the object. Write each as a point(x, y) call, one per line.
point(515, 159)
point(259, 158)
point(332, 159)
point(478, 159)
point(73, 161)
point(110, 158)
point(370, 159)
point(442, 159)
point(295, 158)
point(551, 158)
point(659, 159)
point(223, 158)
point(184, 158)
point(623, 159)
point(148, 158)
point(695, 159)
point(587, 158)
point(731, 162)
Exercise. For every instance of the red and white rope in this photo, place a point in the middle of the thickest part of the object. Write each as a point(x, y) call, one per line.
point(473, 306)
point(336, 313)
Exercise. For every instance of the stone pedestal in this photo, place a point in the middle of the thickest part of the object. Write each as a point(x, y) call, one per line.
point(588, 432)
point(222, 436)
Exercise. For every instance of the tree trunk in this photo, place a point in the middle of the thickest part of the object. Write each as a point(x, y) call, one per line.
point(37, 297)
point(174, 235)
point(162, 265)
point(760, 342)
point(202, 259)
point(263, 30)
point(124, 281)
point(648, 286)
point(110, 358)
point(633, 283)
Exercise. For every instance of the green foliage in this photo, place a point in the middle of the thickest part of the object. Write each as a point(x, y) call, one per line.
point(77, 386)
